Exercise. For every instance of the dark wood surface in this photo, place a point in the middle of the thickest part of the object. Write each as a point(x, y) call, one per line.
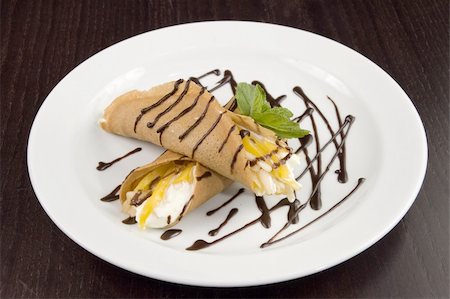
point(41, 41)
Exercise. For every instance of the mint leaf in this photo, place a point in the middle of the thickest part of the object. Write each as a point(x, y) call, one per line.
point(252, 102)
point(283, 112)
point(245, 94)
point(259, 103)
point(282, 126)
point(251, 99)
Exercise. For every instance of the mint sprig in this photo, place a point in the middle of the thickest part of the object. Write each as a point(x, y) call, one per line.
point(252, 102)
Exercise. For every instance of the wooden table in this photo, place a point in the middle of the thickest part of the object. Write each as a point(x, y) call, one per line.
point(41, 41)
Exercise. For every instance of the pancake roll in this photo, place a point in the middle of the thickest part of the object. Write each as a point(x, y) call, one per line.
point(160, 193)
point(185, 118)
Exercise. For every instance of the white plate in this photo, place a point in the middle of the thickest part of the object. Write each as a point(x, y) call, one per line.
point(387, 145)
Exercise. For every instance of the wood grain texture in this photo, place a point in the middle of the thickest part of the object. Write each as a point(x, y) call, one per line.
point(41, 41)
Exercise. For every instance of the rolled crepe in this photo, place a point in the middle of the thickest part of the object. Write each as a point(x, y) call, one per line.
point(185, 118)
point(160, 193)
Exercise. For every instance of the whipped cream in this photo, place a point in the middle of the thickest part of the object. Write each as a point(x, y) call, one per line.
point(175, 198)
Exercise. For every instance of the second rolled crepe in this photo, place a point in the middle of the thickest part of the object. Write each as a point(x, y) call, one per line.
point(184, 117)
point(160, 193)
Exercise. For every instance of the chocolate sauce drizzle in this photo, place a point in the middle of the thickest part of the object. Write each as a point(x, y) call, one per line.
point(291, 213)
point(200, 244)
point(159, 102)
point(161, 129)
point(183, 93)
point(268, 243)
point(304, 143)
point(215, 72)
point(239, 192)
point(348, 120)
point(171, 233)
point(104, 165)
point(240, 147)
point(129, 220)
point(112, 196)
point(346, 123)
point(226, 138)
point(197, 122)
point(227, 78)
point(316, 200)
point(305, 114)
point(203, 176)
point(213, 126)
point(265, 214)
point(342, 171)
point(230, 215)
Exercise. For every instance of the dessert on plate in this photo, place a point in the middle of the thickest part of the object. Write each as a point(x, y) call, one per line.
point(160, 193)
point(185, 118)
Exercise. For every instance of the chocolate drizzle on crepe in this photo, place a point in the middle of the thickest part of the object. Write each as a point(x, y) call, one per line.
point(198, 121)
point(183, 93)
point(159, 102)
point(213, 126)
point(161, 129)
point(204, 175)
point(233, 127)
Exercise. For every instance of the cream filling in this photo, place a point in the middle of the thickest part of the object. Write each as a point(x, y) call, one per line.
point(271, 184)
point(175, 198)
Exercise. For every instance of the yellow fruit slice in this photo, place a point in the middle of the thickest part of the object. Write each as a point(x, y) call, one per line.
point(185, 175)
point(252, 147)
point(281, 172)
point(145, 182)
point(169, 177)
point(155, 198)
